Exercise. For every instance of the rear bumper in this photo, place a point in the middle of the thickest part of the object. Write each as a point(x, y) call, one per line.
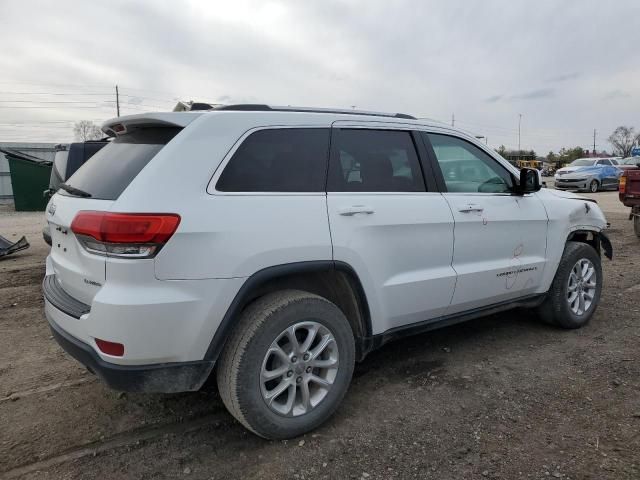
point(66, 316)
point(165, 378)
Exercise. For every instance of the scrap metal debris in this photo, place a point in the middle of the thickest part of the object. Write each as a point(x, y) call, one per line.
point(7, 247)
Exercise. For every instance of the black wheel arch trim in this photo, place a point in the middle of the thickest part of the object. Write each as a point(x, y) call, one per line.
point(259, 278)
point(605, 243)
point(601, 241)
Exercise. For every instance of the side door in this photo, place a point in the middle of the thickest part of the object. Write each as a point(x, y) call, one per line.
point(609, 174)
point(393, 228)
point(500, 238)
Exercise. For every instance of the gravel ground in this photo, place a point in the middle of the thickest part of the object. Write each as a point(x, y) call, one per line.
point(500, 397)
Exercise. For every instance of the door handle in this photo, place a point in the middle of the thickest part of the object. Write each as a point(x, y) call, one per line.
point(354, 210)
point(472, 207)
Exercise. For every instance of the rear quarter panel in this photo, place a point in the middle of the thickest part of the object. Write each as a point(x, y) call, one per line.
point(225, 235)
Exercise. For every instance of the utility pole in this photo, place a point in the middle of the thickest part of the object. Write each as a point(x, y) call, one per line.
point(453, 119)
point(594, 142)
point(117, 102)
point(519, 122)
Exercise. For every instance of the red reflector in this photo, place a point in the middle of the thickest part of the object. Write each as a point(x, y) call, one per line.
point(126, 227)
point(110, 348)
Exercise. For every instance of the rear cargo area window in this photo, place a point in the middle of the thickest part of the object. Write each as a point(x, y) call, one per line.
point(110, 171)
point(278, 160)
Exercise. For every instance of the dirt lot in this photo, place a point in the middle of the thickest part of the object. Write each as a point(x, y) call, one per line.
point(501, 397)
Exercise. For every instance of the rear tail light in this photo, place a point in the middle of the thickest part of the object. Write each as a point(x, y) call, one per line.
point(125, 235)
point(622, 186)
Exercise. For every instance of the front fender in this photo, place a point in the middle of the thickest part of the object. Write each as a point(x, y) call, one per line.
point(568, 215)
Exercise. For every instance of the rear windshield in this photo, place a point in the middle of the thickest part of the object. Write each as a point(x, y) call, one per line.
point(110, 171)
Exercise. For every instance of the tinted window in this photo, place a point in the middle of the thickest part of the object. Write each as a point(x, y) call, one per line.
point(375, 161)
point(107, 173)
point(79, 153)
point(614, 161)
point(604, 162)
point(58, 174)
point(278, 160)
point(466, 168)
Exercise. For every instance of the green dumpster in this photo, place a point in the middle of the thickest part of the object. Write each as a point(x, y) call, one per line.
point(29, 178)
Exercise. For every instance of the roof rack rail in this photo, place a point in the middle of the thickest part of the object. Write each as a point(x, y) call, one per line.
point(258, 107)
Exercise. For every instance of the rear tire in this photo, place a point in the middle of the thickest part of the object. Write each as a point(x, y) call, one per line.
point(575, 291)
point(636, 225)
point(593, 186)
point(270, 340)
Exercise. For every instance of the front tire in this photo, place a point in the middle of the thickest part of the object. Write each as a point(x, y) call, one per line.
point(287, 364)
point(575, 291)
point(636, 225)
point(593, 186)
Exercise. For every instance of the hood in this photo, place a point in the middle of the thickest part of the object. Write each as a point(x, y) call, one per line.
point(583, 171)
point(564, 194)
point(565, 170)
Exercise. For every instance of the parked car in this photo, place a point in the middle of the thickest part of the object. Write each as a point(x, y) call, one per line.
point(629, 195)
point(274, 247)
point(67, 160)
point(629, 162)
point(589, 174)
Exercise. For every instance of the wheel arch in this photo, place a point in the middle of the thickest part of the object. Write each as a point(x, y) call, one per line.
point(334, 280)
point(596, 238)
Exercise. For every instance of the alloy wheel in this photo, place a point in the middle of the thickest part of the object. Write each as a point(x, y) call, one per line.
point(299, 369)
point(581, 286)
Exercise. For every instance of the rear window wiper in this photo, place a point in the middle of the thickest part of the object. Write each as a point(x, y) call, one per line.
point(74, 191)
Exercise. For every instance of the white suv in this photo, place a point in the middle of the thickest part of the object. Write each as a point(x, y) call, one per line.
point(274, 247)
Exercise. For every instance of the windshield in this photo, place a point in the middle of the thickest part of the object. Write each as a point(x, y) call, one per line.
point(582, 162)
point(630, 161)
point(107, 173)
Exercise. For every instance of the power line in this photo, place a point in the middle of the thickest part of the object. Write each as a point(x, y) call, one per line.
point(52, 93)
point(31, 106)
point(46, 101)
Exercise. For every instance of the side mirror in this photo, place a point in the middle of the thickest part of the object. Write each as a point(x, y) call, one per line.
point(529, 181)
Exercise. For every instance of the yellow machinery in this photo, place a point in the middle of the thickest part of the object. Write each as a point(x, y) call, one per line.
point(529, 164)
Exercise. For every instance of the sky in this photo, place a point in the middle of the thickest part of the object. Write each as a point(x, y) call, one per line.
point(567, 67)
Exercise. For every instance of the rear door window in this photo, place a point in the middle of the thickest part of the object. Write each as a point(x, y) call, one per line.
point(369, 160)
point(110, 171)
point(278, 160)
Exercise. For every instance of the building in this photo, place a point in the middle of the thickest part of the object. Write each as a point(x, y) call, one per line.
point(44, 151)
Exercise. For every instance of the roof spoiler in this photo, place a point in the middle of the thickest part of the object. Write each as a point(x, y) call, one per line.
point(121, 125)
